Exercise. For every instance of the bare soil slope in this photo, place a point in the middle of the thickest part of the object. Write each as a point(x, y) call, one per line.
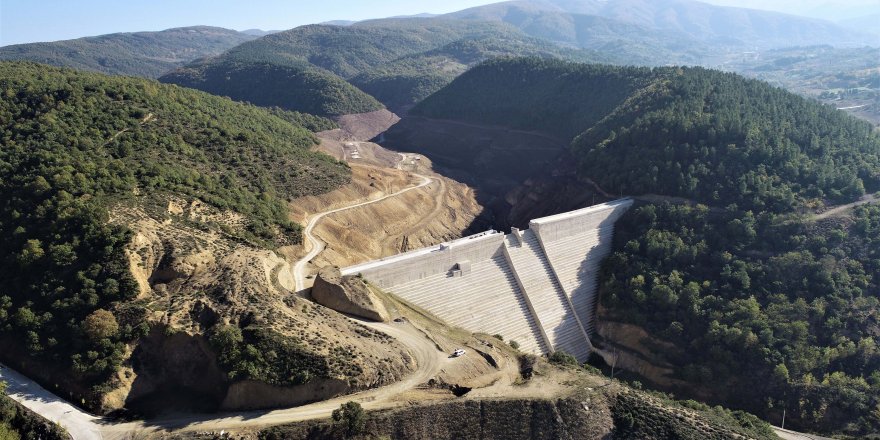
point(192, 280)
point(440, 211)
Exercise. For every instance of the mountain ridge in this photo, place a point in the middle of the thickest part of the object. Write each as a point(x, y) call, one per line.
point(148, 54)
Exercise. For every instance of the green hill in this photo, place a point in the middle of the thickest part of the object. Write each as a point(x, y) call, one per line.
point(146, 54)
point(554, 97)
point(398, 61)
point(292, 86)
point(690, 132)
point(78, 146)
point(768, 306)
point(411, 78)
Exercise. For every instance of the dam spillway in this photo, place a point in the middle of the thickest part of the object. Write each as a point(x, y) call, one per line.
point(536, 286)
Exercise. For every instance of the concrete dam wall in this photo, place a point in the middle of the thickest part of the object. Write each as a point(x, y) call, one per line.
point(536, 287)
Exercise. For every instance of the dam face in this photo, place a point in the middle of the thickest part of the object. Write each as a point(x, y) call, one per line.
point(536, 287)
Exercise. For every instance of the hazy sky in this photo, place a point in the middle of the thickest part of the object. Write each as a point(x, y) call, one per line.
point(23, 21)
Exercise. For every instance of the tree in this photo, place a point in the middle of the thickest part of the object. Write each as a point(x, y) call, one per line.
point(100, 324)
point(351, 417)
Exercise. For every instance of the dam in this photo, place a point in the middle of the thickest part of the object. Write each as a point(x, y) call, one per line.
point(536, 286)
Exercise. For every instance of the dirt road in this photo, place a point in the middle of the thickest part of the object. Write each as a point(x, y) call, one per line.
point(794, 435)
point(80, 425)
point(429, 361)
point(83, 426)
point(837, 210)
point(317, 245)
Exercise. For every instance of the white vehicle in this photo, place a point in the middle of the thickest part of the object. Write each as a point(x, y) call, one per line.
point(458, 352)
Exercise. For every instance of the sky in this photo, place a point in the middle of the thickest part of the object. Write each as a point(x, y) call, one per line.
point(26, 21)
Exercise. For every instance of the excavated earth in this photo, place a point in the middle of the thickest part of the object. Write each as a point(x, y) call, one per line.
point(192, 279)
point(443, 210)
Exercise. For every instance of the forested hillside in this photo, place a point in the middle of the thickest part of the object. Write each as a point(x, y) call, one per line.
point(398, 61)
point(412, 78)
point(769, 307)
point(668, 21)
point(554, 97)
point(291, 86)
point(146, 54)
point(77, 146)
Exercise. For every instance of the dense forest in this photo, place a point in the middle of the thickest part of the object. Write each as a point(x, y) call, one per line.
point(768, 311)
point(292, 86)
point(397, 61)
point(770, 307)
point(554, 97)
point(76, 145)
point(145, 54)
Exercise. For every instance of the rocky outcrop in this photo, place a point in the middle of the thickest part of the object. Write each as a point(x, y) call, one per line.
point(347, 295)
point(474, 420)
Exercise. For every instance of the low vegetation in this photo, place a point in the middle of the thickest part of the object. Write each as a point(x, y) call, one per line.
point(265, 356)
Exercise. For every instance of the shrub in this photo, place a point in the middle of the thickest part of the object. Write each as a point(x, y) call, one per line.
point(560, 357)
point(350, 416)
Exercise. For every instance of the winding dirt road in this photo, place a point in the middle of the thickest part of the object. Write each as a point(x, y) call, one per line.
point(84, 426)
point(317, 245)
point(428, 359)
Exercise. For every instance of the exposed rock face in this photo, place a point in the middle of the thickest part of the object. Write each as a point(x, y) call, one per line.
point(476, 420)
point(250, 394)
point(347, 295)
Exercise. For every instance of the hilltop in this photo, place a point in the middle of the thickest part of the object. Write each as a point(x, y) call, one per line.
point(146, 54)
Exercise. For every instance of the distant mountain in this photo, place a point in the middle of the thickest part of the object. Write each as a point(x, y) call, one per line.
point(400, 61)
point(699, 21)
point(339, 22)
point(409, 79)
point(867, 23)
point(145, 54)
point(259, 32)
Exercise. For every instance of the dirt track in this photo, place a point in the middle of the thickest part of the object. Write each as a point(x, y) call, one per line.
point(837, 210)
point(425, 354)
point(317, 245)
